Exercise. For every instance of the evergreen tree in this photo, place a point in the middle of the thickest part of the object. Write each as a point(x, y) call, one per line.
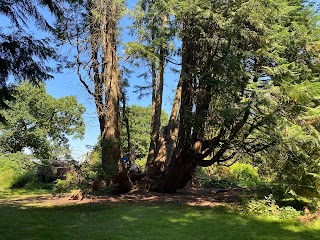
point(22, 56)
point(155, 35)
point(92, 28)
point(238, 60)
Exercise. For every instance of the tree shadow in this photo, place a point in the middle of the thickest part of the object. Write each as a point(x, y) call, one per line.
point(137, 220)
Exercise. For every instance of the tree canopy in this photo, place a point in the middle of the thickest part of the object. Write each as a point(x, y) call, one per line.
point(40, 123)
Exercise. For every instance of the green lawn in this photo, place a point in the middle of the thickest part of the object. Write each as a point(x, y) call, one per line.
point(138, 221)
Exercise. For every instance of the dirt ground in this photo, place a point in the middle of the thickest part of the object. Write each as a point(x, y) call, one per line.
point(193, 196)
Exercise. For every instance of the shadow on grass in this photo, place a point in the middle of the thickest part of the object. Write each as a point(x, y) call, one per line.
point(23, 193)
point(140, 221)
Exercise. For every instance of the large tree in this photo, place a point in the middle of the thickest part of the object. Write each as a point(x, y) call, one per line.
point(40, 123)
point(92, 27)
point(238, 60)
point(153, 48)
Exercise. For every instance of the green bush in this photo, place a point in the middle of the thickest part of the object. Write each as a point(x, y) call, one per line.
point(217, 183)
point(244, 174)
point(7, 177)
point(19, 171)
point(70, 183)
point(27, 178)
point(81, 175)
point(13, 166)
point(268, 206)
point(46, 173)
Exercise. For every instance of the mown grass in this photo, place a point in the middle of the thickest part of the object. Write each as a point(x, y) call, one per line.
point(138, 221)
point(22, 193)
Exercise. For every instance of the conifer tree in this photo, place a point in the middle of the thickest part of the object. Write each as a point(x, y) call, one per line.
point(238, 59)
point(91, 27)
point(22, 56)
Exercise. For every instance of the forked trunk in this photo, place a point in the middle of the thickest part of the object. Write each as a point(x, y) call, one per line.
point(178, 156)
point(177, 174)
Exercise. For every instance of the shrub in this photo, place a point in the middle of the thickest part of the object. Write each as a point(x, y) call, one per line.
point(80, 176)
point(268, 206)
point(7, 177)
point(27, 178)
point(217, 183)
point(46, 173)
point(70, 183)
point(244, 174)
point(13, 166)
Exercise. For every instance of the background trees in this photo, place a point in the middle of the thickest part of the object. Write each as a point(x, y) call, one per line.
point(40, 123)
point(139, 122)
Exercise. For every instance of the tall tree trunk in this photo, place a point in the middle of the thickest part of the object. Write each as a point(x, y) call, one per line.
point(110, 135)
point(126, 121)
point(103, 17)
point(180, 166)
point(154, 132)
point(157, 92)
point(167, 141)
point(170, 135)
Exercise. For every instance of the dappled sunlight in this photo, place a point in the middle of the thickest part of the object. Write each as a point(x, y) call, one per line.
point(140, 216)
point(138, 220)
point(129, 219)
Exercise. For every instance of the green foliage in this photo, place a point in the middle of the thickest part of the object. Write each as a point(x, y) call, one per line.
point(12, 167)
point(40, 176)
point(85, 176)
point(21, 54)
point(269, 207)
point(27, 179)
point(67, 184)
point(245, 174)
point(40, 123)
point(139, 122)
point(22, 171)
point(46, 172)
point(295, 163)
point(155, 34)
point(217, 183)
point(261, 56)
point(239, 174)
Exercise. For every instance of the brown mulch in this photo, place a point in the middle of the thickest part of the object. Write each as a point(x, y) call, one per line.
point(193, 196)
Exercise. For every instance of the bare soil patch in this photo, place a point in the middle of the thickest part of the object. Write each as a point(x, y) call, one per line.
point(193, 196)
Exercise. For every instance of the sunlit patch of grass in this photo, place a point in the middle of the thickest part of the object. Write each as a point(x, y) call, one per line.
point(12, 193)
point(142, 222)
